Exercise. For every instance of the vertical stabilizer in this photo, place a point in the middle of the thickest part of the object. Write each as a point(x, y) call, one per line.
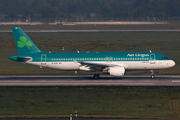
point(23, 43)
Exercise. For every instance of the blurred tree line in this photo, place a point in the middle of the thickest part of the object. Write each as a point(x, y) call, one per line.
point(89, 8)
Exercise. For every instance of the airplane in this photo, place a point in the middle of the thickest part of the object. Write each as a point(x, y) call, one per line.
point(112, 63)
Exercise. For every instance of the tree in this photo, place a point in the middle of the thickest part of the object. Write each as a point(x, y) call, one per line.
point(106, 10)
point(28, 13)
point(32, 13)
point(102, 8)
point(47, 11)
point(13, 15)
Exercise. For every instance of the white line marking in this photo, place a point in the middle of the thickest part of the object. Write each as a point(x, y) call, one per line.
point(175, 80)
point(175, 76)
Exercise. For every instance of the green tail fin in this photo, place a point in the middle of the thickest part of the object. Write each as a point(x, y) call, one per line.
point(23, 43)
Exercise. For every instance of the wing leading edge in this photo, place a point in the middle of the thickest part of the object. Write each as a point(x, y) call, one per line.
point(96, 66)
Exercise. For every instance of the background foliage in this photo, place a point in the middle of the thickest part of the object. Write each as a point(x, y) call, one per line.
point(101, 8)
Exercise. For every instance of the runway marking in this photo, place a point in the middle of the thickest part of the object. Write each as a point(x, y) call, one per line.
point(175, 80)
point(177, 76)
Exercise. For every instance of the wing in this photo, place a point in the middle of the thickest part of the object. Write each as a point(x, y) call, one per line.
point(95, 66)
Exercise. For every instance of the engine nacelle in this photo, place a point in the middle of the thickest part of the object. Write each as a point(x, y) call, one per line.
point(116, 71)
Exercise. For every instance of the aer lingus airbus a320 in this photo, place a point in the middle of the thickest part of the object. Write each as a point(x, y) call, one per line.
point(113, 63)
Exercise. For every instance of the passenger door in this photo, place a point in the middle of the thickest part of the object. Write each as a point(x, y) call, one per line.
point(152, 59)
point(43, 59)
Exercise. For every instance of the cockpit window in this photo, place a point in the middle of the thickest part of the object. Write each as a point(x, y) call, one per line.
point(164, 58)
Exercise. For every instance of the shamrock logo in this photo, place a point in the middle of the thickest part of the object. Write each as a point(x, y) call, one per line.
point(24, 42)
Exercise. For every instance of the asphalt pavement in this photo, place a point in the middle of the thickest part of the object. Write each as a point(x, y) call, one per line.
point(83, 80)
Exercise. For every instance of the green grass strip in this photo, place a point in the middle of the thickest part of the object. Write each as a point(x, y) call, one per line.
point(90, 101)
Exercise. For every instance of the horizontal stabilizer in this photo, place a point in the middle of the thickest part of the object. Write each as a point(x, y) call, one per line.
point(21, 59)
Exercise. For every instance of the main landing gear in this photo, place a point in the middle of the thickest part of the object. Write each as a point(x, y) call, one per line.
point(96, 76)
point(152, 74)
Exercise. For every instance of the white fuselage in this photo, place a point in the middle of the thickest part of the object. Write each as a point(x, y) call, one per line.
point(129, 65)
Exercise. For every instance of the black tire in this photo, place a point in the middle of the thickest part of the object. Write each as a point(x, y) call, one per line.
point(152, 76)
point(96, 76)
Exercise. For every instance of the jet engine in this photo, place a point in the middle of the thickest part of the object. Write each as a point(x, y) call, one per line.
point(116, 71)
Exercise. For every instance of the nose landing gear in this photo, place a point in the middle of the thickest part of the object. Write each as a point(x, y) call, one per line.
point(152, 74)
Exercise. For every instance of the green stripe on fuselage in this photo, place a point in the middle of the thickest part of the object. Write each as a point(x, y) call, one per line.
point(101, 56)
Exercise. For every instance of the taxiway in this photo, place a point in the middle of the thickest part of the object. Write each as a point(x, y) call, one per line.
point(101, 30)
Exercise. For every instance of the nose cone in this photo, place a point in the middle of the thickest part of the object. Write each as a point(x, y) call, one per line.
point(172, 63)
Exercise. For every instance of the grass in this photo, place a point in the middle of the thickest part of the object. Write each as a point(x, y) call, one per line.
point(163, 42)
point(90, 101)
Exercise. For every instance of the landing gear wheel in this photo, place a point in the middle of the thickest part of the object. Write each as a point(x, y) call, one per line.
point(96, 76)
point(152, 76)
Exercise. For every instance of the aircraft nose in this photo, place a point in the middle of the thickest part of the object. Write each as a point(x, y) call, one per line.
point(172, 63)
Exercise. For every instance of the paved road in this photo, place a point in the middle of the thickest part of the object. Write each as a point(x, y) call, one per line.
point(75, 80)
point(100, 30)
